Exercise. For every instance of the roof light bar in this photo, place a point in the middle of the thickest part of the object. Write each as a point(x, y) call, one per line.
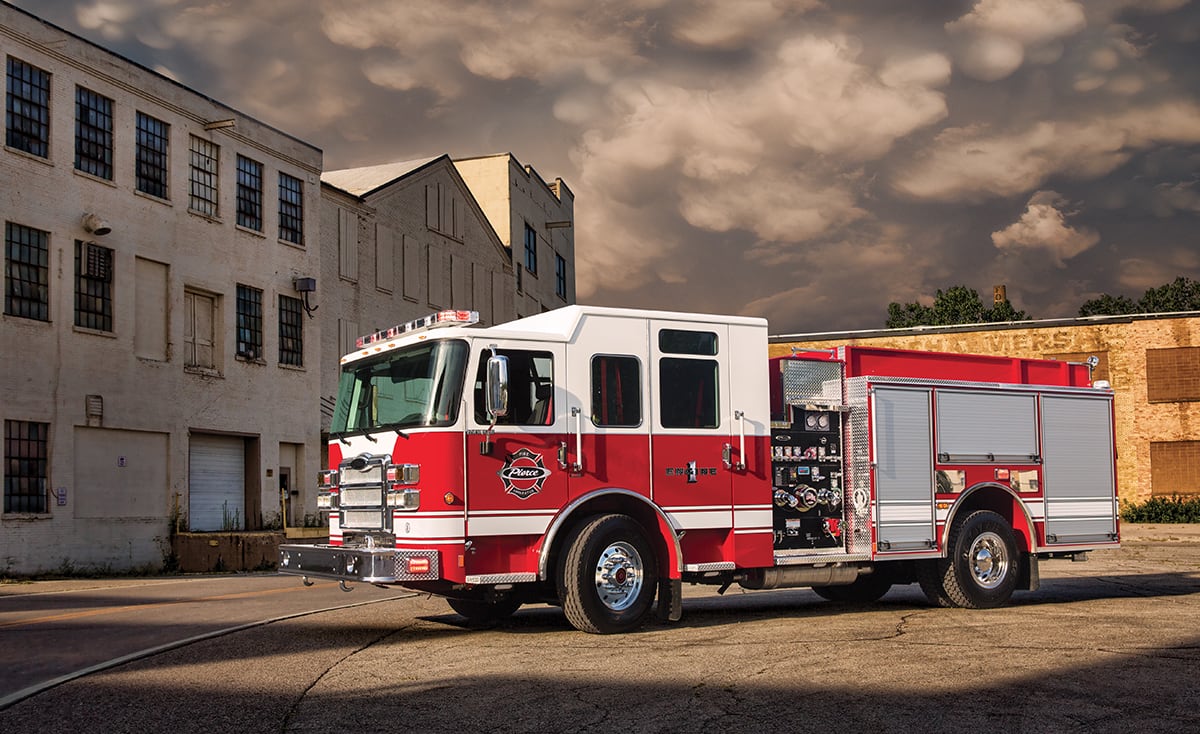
point(433, 320)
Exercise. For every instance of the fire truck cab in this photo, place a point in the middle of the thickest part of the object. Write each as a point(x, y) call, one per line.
point(598, 458)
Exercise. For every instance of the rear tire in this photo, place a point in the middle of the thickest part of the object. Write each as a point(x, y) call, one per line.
point(482, 612)
point(982, 568)
point(607, 575)
point(929, 576)
point(864, 589)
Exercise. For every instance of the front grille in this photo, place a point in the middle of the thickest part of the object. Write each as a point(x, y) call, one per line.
point(362, 519)
point(371, 474)
point(362, 497)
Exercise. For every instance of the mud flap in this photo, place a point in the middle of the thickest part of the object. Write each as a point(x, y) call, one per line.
point(1029, 578)
point(670, 599)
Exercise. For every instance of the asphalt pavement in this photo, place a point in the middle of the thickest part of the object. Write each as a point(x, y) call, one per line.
point(1110, 645)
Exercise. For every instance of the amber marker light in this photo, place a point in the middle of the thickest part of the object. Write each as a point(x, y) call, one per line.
point(449, 497)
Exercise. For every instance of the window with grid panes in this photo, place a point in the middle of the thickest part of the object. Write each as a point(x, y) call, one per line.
point(291, 209)
point(249, 193)
point(249, 322)
point(26, 452)
point(560, 276)
point(152, 141)
point(27, 108)
point(26, 272)
point(93, 286)
point(93, 133)
point(291, 331)
point(530, 249)
point(202, 176)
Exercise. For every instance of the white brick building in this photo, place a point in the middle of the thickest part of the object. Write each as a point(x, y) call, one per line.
point(178, 288)
point(535, 220)
point(157, 358)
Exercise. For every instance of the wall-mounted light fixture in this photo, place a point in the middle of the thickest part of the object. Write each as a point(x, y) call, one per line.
point(304, 286)
point(560, 224)
point(96, 224)
point(220, 124)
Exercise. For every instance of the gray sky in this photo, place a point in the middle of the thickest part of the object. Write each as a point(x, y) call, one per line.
point(806, 161)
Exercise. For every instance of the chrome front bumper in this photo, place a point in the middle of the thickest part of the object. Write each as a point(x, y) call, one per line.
point(369, 565)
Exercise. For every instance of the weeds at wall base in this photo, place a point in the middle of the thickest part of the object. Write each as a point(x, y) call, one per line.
point(1174, 509)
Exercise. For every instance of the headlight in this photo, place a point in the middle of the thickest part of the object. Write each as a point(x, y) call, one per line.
point(408, 499)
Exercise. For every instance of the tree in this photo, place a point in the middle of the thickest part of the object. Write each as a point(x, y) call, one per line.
point(1106, 305)
point(908, 315)
point(955, 305)
point(1002, 312)
point(958, 304)
point(1182, 294)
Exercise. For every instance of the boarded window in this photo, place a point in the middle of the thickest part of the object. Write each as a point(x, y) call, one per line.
point(438, 290)
point(1173, 375)
point(502, 297)
point(432, 211)
point(1174, 468)
point(348, 244)
point(385, 259)
point(150, 303)
point(412, 269)
point(460, 282)
point(481, 283)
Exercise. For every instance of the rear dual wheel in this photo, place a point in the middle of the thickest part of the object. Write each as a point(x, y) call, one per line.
point(981, 569)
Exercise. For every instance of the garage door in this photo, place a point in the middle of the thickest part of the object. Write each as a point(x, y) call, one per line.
point(216, 483)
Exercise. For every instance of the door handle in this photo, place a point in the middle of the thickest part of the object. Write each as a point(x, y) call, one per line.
point(740, 417)
point(577, 465)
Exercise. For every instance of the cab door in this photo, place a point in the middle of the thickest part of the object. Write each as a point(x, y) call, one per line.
point(691, 434)
point(514, 481)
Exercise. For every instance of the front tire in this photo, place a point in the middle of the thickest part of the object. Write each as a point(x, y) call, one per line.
point(981, 571)
point(607, 575)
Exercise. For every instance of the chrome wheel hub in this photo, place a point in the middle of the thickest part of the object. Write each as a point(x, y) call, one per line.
point(989, 560)
point(620, 574)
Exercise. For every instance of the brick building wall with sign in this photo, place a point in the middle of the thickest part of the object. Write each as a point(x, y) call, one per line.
point(1152, 362)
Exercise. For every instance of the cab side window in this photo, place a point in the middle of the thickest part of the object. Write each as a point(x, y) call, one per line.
point(616, 391)
point(530, 388)
point(688, 393)
point(688, 387)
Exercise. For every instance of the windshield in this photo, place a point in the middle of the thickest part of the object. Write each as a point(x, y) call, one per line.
point(418, 386)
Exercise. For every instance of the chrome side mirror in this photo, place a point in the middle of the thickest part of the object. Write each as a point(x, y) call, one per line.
point(497, 386)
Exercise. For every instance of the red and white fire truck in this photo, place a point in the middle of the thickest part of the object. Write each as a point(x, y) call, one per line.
point(596, 458)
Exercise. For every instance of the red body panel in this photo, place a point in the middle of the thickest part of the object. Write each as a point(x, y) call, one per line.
point(861, 361)
point(436, 524)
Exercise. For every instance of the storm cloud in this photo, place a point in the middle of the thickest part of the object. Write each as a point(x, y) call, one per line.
point(805, 161)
